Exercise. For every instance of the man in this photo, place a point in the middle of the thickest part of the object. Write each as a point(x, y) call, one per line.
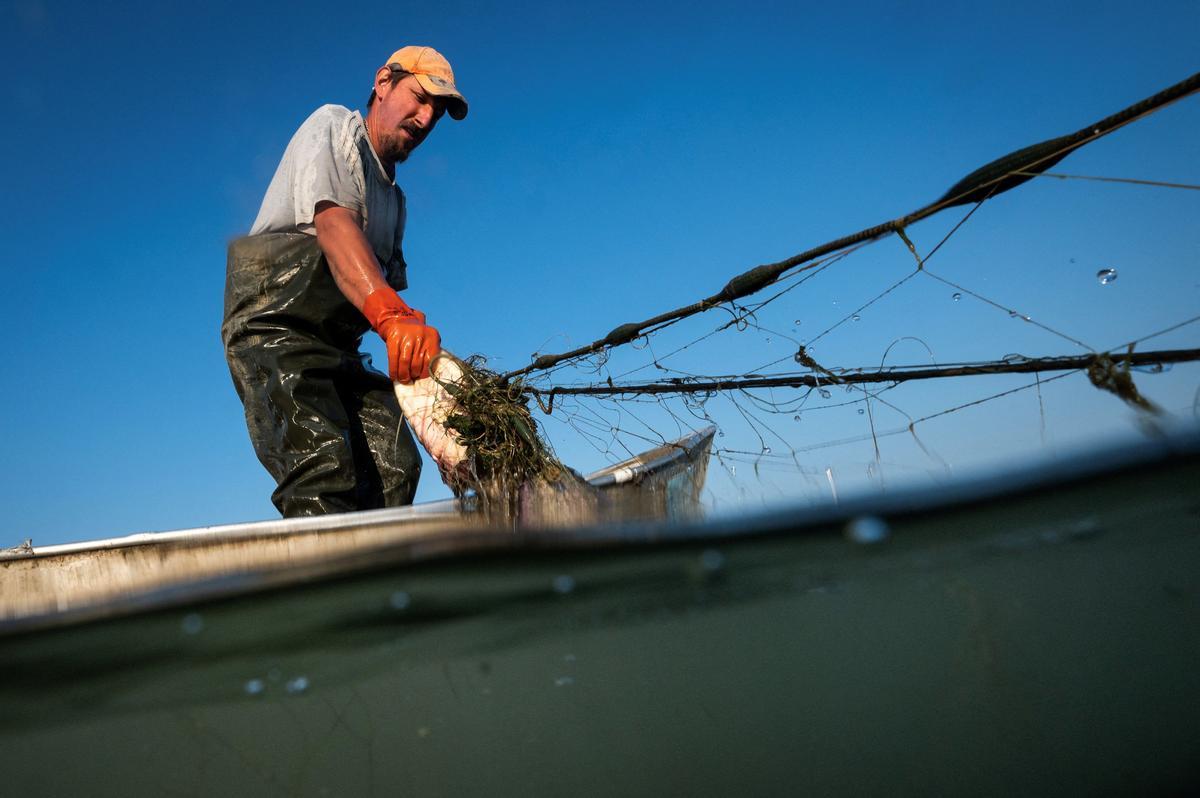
point(322, 265)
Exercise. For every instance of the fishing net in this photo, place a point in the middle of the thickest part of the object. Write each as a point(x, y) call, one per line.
point(478, 429)
point(973, 330)
point(1017, 316)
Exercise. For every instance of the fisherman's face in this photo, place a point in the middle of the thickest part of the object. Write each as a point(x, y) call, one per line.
point(402, 115)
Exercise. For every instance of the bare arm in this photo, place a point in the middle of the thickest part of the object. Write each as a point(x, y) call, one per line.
point(411, 344)
point(353, 263)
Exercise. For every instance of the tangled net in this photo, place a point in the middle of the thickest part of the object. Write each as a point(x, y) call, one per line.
point(492, 420)
point(819, 336)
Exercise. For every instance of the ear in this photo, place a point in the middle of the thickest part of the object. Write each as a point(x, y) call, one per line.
point(383, 81)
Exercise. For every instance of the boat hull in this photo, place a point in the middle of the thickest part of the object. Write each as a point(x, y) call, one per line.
point(1037, 642)
point(57, 585)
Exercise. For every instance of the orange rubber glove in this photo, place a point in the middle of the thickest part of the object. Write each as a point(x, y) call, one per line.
point(411, 344)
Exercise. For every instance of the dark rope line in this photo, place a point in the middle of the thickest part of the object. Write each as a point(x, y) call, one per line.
point(911, 428)
point(861, 308)
point(1012, 312)
point(1026, 366)
point(1159, 183)
point(1163, 331)
point(993, 178)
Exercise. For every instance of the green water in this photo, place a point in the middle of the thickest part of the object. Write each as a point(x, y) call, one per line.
point(1040, 646)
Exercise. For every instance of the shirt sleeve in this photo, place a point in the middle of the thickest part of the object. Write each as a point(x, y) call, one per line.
point(327, 166)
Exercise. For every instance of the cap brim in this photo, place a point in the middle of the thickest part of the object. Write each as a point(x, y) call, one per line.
point(456, 104)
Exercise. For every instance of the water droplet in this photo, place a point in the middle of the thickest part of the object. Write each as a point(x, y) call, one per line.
point(867, 529)
point(297, 685)
point(768, 339)
point(796, 322)
point(712, 560)
point(796, 417)
point(399, 600)
point(733, 471)
point(563, 584)
point(1106, 276)
point(766, 450)
point(254, 687)
point(956, 296)
point(1015, 357)
point(192, 624)
point(1072, 260)
point(861, 411)
point(1012, 314)
point(720, 433)
point(564, 681)
point(856, 317)
point(798, 357)
point(535, 356)
point(824, 393)
point(641, 342)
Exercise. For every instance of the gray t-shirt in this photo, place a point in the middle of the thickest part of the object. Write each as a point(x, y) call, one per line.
point(330, 158)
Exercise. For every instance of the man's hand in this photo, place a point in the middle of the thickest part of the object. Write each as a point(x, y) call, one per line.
point(411, 343)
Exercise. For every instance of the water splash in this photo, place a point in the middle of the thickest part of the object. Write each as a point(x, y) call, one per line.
point(1106, 276)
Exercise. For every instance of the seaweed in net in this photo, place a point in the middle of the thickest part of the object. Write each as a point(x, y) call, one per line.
point(509, 467)
point(493, 421)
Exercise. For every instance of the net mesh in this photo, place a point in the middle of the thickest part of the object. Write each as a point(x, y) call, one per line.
point(990, 325)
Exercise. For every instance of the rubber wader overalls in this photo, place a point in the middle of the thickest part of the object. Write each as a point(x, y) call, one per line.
point(324, 423)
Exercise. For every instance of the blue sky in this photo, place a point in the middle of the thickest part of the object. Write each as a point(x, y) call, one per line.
point(618, 159)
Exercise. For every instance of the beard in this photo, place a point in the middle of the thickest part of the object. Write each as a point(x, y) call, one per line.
point(397, 148)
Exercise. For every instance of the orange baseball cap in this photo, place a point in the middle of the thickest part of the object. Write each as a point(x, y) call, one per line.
point(433, 72)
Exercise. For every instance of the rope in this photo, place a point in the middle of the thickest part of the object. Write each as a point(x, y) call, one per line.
point(1102, 369)
point(987, 181)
